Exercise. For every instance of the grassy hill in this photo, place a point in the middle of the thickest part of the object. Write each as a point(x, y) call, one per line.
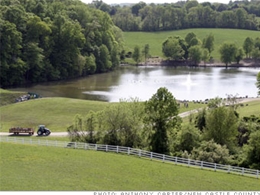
point(31, 167)
point(9, 97)
point(56, 113)
point(155, 39)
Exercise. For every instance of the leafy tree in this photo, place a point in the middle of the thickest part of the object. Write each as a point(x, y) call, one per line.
point(122, 123)
point(160, 120)
point(208, 43)
point(137, 54)
point(210, 151)
point(256, 54)
point(239, 55)
point(172, 49)
point(227, 52)
point(104, 61)
point(221, 126)
point(252, 151)
point(248, 46)
point(189, 37)
point(195, 54)
point(187, 139)
point(200, 121)
point(146, 51)
point(205, 55)
point(90, 66)
point(83, 128)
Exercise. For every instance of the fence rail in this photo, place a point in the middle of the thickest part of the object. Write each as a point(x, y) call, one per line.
point(136, 152)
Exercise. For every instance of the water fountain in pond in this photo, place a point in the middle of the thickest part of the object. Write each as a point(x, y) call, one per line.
point(188, 81)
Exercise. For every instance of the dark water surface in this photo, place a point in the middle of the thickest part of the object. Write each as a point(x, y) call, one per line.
point(183, 82)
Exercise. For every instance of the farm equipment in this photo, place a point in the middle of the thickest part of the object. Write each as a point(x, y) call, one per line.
point(18, 130)
point(42, 130)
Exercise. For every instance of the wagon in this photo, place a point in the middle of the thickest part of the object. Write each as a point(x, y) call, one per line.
point(18, 130)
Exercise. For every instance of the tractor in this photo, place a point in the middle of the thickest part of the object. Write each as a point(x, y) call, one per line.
point(42, 130)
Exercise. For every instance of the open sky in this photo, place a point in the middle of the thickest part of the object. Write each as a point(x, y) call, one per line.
point(153, 1)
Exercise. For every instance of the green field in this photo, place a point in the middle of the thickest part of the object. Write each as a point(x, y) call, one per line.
point(8, 97)
point(155, 39)
point(253, 108)
point(56, 113)
point(38, 168)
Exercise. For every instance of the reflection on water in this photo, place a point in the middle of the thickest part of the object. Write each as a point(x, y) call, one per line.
point(183, 82)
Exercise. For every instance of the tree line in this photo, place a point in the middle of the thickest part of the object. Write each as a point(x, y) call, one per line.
point(192, 50)
point(183, 15)
point(46, 40)
point(216, 134)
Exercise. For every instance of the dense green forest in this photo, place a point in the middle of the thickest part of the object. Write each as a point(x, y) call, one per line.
point(45, 40)
point(183, 14)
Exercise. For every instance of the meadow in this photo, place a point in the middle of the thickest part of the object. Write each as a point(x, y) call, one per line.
point(41, 168)
point(155, 39)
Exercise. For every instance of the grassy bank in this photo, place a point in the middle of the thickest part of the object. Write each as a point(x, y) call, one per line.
point(155, 39)
point(9, 97)
point(49, 168)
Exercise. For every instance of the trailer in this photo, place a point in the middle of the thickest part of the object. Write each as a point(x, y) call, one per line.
point(18, 130)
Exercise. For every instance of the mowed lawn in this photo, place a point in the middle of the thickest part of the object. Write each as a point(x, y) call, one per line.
point(155, 39)
point(39, 168)
point(55, 113)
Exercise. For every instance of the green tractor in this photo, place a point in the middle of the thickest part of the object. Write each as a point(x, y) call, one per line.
point(43, 131)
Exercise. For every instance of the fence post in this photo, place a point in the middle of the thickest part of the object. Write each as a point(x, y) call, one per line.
point(96, 146)
point(201, 164)
point(228, 168)
point(176, 160)
point(188, 162)
point(85, 146)
point(215, 167)
point(163, 157)
point(151, 156)
point(116, 149)
point(30, 140)
point(38, 142)
point(23, 140)
point(75, 146)
point(106, 148)
point(139, 153)
point(257, 174)
point(128, 150)
point(243, 169)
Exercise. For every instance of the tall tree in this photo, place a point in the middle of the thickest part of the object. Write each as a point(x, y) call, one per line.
point(208, 43)
point(161, 119)
point(227, 52)
point(248, 46)
point(221, 126)
point(239, 55)
point(172, 49)
point(136, 54)
point(146, 51)
point(195, 54)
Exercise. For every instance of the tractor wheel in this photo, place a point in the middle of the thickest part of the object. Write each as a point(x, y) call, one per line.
point(47, 133)
point(39, 133)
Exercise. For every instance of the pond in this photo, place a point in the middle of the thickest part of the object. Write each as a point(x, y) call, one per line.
point(185, 83)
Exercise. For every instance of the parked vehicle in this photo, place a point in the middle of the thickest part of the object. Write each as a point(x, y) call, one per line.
point(42, 130)
point(18, 130)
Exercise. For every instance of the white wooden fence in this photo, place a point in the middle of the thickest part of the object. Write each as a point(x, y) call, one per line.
point(136, 152)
